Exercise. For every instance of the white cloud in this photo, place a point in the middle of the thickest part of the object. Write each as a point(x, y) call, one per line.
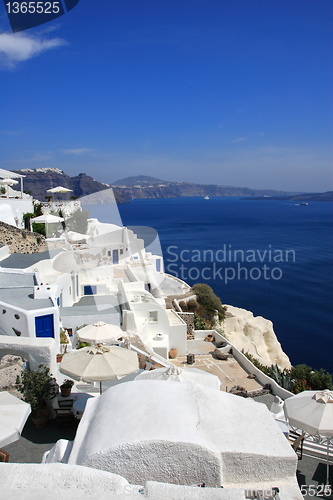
point(43, 156)
point(261, 134)
point(18, 47)
point(76, 151)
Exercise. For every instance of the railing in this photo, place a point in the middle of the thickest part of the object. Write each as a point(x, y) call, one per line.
point(67, 207)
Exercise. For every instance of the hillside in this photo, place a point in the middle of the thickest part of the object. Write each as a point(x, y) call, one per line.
point(328, 196)
point(150, 187)
point(38, 181)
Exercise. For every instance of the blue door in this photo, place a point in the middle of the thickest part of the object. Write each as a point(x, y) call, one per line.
point(115, 257)
point(44, 326)
point(90, 290)
point(158, 265)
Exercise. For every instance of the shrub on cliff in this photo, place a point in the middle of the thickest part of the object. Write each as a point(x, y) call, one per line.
point(317, 380)
point(192, 305)
point(302, 377)
point(200, 324)
point(208, 300)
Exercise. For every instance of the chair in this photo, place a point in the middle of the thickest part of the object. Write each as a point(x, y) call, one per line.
point(4, 456)
point(296, 441)
point(64, 412)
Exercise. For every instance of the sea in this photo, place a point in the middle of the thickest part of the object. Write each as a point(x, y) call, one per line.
point(271, 257)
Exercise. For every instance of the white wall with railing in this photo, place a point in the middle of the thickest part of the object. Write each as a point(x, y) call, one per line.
point(246, 363)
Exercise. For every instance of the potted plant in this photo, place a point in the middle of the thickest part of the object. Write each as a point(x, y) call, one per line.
point(66, 387)
point(38, 387)
point(63, 345)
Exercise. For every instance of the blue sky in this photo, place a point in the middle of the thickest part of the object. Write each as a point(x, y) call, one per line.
point(232, 92)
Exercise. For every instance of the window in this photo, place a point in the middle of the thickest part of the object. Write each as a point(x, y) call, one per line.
point(153, 316)
point(121, 251)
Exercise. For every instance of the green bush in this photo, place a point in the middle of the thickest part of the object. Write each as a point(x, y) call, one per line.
point(299, 378)
point(183, 306)
point(200, 324)
point(257, 363)
point(316, 380)
point(192, 305)
point(83, 344)
point(207, 298)
point(39, 228)
point(37, 387)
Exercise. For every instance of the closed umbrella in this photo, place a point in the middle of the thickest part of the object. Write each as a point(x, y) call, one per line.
point(13, 415)
point(98, 363)
point(173, 373)
point(99, 332)
point(312, 411)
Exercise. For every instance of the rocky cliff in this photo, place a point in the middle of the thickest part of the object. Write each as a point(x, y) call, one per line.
point(150, 187)
point(255, 335)
point(39, 180)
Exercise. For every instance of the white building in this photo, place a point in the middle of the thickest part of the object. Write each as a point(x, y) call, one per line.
point(108, 278)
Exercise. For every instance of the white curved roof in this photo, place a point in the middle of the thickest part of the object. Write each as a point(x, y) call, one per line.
point(147, 422)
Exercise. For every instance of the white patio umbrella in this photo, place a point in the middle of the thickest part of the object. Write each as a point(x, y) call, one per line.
point(98, 363)
point(312, 411)
point(59, 189)
point(47, 219)
point(99, 332)
point(173, 373)
point(7, 182)
point(13, 415)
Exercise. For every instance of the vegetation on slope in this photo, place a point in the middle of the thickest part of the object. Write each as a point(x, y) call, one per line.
point(205, 307)
point(299, 378)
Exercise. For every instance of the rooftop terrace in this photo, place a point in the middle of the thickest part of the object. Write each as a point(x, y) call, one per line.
point(229, 371)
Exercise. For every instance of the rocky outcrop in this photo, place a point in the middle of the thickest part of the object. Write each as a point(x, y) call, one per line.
point(21, 241)
point(38, 181)
point(178, 189)
point(255, 335)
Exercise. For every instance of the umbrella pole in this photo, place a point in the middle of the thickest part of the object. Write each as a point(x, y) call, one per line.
point(328, 465)
point(100, 387)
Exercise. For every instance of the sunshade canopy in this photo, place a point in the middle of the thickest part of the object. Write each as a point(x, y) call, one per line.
point(8, 182)
point(47, 219)
point(176, 374)
point(311, 411)
point(13, 415)
point(99, 332)
point(99, 363)
point(59, 189)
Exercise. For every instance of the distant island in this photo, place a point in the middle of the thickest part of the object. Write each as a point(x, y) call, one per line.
point(305, 197)
point(38, 181)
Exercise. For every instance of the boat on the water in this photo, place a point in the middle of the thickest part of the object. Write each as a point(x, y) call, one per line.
point(304, 204)
point(206, 197)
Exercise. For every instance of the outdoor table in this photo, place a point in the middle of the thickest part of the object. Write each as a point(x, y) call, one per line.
point(80, 404)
